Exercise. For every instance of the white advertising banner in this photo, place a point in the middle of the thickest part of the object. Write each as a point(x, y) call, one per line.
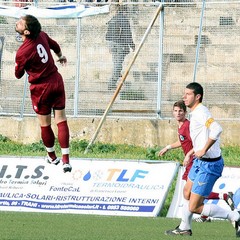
point(106, 187)
point(228, 182)
point(61, 11)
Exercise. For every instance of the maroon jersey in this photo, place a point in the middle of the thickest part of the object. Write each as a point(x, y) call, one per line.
point(186, 143)
point(184, 136)
point(34, 56)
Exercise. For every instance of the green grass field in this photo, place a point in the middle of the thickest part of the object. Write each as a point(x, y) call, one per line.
point(43, 226)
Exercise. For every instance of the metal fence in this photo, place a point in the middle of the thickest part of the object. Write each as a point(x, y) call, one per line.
point(190, 41)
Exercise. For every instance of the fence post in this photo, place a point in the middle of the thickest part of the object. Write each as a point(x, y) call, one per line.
point(24, 95)
point(78, 65)
point(160, 63)
point(198, 42)
point(35, 3)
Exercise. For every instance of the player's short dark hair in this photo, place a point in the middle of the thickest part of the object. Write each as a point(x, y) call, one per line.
point(32, 25)
point(181, 105)
point(197, 89)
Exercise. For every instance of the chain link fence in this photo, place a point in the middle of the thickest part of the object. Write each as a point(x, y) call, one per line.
point(190, 41)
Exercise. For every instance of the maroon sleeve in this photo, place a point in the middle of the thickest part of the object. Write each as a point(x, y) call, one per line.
point(53, 45)
point(20, 62)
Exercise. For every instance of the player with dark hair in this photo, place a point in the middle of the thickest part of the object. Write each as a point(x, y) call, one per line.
point(185, 141)
point(46, 84)
point(207, 165)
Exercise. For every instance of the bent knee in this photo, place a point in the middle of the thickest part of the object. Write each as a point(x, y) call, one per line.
point(186, 194)
point(193, 209)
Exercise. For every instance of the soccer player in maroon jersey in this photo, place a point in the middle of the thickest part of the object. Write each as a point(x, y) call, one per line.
point(46, 84)
point(185, 141)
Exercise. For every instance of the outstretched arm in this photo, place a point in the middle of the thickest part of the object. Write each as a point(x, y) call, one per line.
point(168, 147)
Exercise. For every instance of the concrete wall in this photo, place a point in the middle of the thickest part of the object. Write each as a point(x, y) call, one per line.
point(146, 133)
point(218, 71)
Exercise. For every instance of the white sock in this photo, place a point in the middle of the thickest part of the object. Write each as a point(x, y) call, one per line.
point(221, 195)
point(65, 150)
point(213, 210)
point(186, 222)
point(50, 149)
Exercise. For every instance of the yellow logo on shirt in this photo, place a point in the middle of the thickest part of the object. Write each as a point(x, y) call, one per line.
point(209, 122)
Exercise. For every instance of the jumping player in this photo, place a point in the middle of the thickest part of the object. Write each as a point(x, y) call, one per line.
point(207, 165)
point(46, 84)
point(185, 141)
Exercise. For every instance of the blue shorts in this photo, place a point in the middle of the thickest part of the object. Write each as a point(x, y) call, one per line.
point(204, 174)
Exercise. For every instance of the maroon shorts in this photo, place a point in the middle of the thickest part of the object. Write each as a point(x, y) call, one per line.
point(48, 95)
point(187, 169)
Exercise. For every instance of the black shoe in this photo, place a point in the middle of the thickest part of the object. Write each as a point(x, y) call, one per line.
point(178, 231)
point(67, 167)
point(238, 232)
point(237, 227)
point(202, 219)
point(229, 200)
point(55, 161)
